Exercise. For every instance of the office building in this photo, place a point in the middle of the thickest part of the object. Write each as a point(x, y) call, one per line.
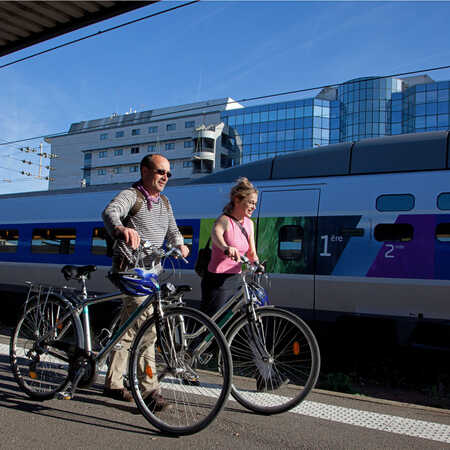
point(109, 150)
point(358, 109)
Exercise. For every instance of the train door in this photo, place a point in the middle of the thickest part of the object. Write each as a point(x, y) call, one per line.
point(286, 239)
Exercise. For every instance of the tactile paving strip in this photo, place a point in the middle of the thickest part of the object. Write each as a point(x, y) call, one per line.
point(375, 421)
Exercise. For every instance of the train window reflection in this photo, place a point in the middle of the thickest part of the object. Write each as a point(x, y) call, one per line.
point(443, 232)
point(54, 241)
point(98, 243)
point(8, 241)
point(290, 242)
point(395, 202)
point(394, 232)
point(443, 200)
point(187, 233)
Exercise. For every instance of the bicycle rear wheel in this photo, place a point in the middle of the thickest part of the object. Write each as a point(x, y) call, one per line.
point(41, 367)
point(195, 387)
point(276, 361)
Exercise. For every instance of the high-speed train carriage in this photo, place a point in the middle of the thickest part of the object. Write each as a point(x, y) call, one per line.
point(354, 232)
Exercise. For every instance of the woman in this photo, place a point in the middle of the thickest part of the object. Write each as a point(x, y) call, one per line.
point(232, 236)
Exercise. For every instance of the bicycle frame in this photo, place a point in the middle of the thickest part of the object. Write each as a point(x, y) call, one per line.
point(229, 313)
point(83, 323)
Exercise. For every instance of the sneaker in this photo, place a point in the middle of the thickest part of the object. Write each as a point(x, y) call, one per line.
point(155, 401)
point(118, 394)
point(270, 384)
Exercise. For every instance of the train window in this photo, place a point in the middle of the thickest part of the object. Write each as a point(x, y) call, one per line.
point(443, 200)
point(290, 240)
point(8, 241)
point(98, 243)
point(53, 240)
point(187, 233)
point(443, 232)
point(395, 202)
point(398, 232)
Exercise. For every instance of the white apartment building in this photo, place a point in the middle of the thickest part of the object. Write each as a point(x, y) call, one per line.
point(109, 150)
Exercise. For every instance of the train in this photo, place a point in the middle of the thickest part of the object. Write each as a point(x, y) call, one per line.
point(352, 234)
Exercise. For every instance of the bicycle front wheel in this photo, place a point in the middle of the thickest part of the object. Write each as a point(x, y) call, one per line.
point(276, 361)
point(41, 366)
point(194, 386)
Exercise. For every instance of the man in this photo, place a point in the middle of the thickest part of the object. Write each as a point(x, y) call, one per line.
point(153, 221)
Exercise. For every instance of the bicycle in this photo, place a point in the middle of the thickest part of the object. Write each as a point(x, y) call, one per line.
point(275, 355)
point(51, 350)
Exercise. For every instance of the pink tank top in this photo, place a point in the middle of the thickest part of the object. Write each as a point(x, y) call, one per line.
point(233, 236)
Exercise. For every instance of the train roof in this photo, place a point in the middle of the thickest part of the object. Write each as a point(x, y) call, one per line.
point(88, 189)
point(402, 153)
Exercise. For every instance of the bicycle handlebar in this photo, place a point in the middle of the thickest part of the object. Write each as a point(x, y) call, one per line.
point(151, 250)
point(252, 266)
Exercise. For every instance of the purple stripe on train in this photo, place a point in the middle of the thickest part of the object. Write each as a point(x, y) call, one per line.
point(415, 258)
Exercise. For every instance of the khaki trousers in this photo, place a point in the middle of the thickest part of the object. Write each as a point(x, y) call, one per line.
point(148, 378)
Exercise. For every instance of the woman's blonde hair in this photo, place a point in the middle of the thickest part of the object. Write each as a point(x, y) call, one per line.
point(242, 189)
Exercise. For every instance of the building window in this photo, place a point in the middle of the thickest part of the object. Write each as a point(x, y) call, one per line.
point(103, 154)
point(98, 243)
point(119, 134)
point(170, 146)
point(60, 241)
point(290, 241)
point(394, 232)
point(133, 168)
point(171, 126)
point(117, 170)
point(103, 136)
point(118, 152)
point(187, 164)
point(395, 202)
point(101, 171)
point(151, 148)
point(189, 124)
point(88, 156)
point(135, 131)
point(8, 241)
point(134, 150)
point(152, 130)
point(188, 144)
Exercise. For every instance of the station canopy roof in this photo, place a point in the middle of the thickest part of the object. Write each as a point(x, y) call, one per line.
point(26, 23)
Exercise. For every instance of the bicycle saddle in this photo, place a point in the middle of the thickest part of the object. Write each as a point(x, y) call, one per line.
point(76, 272)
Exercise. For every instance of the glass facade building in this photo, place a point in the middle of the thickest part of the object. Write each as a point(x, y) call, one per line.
point(424, 107)
point(266, 130)
point(358, 109)
point(365, 107)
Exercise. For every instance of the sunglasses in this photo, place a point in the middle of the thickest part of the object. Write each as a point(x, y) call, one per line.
point(163, 172)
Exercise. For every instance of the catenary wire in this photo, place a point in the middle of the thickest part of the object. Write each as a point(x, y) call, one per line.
point(243, 100)
point(98, 33)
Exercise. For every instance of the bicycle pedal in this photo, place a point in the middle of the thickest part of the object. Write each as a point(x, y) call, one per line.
point(191, 381)
point(64, 396)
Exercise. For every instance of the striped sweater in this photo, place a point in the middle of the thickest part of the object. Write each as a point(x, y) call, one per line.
point(156, 225)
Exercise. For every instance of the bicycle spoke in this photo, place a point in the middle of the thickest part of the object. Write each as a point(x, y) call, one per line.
point(195, 389)
point(42, 370)
point(278, 378)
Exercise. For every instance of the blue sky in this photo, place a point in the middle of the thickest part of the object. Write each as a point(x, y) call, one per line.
point(212, 49)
